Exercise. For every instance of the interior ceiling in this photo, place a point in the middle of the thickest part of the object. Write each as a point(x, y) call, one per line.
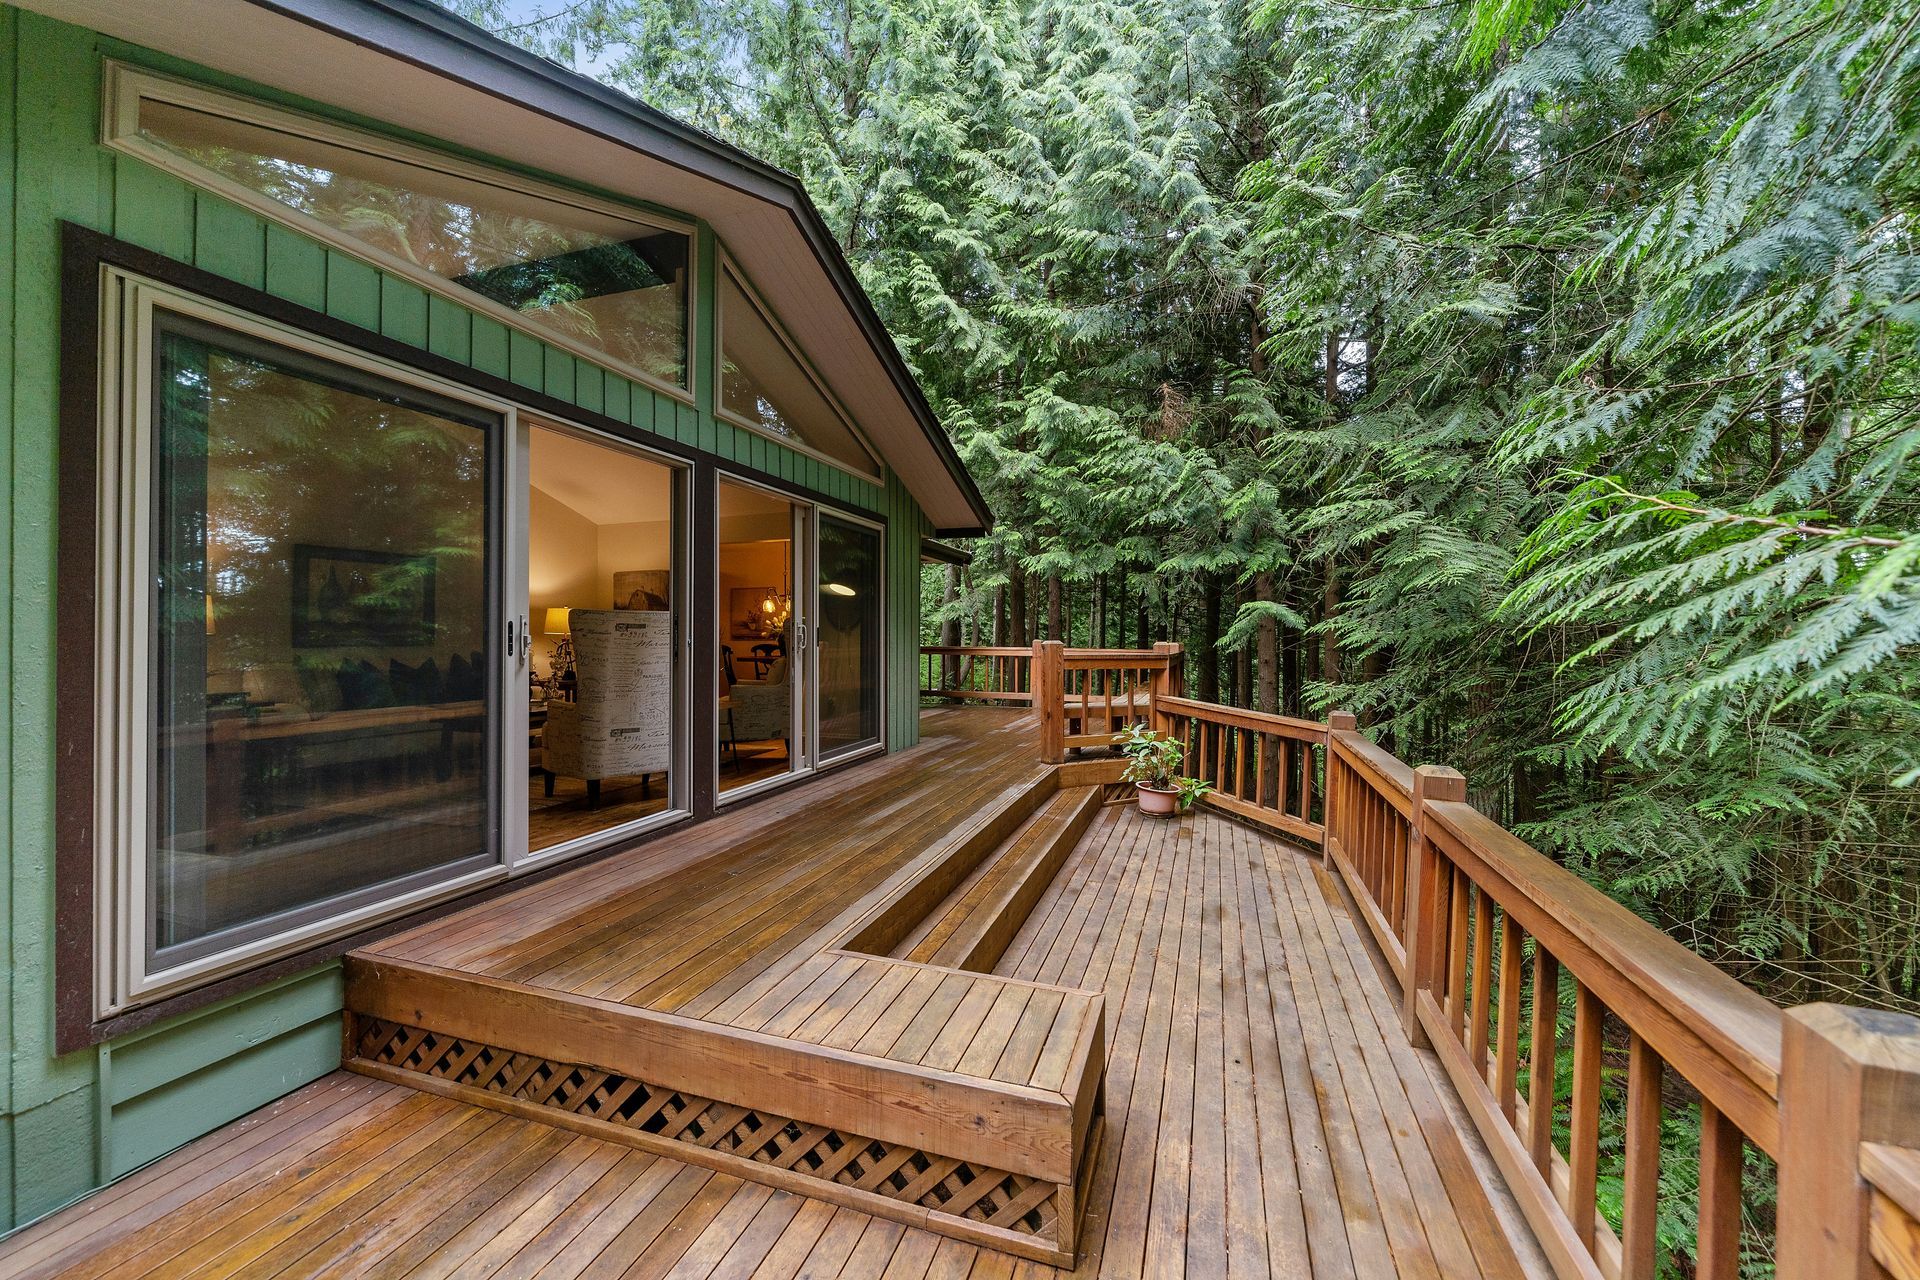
point(561, 131)
point(605, 485)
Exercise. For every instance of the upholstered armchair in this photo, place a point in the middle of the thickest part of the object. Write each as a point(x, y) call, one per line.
point(620, 722)
point(763, 709)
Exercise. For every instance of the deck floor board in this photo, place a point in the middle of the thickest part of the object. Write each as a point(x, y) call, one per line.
point(1264, 1116)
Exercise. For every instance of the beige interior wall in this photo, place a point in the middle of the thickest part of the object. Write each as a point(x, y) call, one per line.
point(571, 562)
point(563, 565)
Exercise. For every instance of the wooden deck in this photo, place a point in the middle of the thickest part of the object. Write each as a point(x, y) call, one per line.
point(1263, 1116)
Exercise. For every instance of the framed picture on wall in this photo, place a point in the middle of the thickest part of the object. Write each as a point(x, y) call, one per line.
point(344, 596)
point(747, 616)
point(649, 589)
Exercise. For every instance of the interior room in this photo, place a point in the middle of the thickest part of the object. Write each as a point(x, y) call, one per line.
point(756, 612)
point(601, 607)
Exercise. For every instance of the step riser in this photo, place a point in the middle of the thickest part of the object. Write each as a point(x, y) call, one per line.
point(887, 926)
point(978, 945)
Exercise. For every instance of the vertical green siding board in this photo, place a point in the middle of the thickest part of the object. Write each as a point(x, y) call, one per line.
point(526, 360)
point(152, 209)
point(53, 1145)
point(9, 53)
point(403, 311)
point(589, 386)
point(53, 1148)
point(229, 241)
point(665, 417)
point(617, 398)
point(490, 346)
point(353, 292)
point(559, 377)
point(296, 268)
point(449, 330)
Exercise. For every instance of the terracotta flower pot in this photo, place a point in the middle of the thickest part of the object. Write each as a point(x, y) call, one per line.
point(1159, 802)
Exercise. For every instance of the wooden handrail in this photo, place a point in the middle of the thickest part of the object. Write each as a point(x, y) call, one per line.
point(1255, 721)
point(1263, 768)
point(1000, 674)
point(979, 650)
point(1724, 1037)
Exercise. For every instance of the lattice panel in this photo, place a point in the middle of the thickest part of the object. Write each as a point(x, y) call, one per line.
point(940, 1183)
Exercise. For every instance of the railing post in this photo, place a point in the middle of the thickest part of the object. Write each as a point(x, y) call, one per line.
point(1847, 1076)
point(1166, 681)
point(1427, 898)
point(1050, 698)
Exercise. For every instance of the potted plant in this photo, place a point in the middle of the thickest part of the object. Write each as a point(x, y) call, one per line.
point(1152, 761)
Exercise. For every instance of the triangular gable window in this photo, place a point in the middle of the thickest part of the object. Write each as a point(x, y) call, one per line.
point(764, 385)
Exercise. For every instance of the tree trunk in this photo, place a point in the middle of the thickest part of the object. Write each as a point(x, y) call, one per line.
point(1053, 607)
point(1329, 609)
point(1017, 610)
point(1266, 692)
point(1243, 660)
point(1291, 645)
point(1207, 668)
point(950, 628)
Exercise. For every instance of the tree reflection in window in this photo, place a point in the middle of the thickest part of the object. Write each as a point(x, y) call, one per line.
point(613, 284)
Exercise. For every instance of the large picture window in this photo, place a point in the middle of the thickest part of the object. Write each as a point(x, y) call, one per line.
point(587, 275)
point(300, 669)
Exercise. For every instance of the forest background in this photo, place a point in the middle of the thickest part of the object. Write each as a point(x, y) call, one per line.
point(1535, 379)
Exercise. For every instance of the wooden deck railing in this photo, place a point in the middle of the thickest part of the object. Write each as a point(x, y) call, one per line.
point(977, 673)
point(1494, 945)
point(1264, 768)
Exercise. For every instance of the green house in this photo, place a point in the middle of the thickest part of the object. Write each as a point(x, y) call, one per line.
point(429, 470)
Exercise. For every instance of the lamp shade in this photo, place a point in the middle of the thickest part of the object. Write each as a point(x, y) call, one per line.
point(557, 621)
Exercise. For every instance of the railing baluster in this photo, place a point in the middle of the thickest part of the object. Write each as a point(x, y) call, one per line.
point(1722, 1152)
point(1542, 1051)
point(1457, 952)
point(1482, 978)
point(1506, 1058)
point(1639, 1218)
point(1583, 1141)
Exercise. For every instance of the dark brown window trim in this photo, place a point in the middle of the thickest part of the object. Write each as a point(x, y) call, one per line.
point(83, 253)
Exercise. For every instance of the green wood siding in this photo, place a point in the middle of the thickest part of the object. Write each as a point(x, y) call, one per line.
point(68, 1124)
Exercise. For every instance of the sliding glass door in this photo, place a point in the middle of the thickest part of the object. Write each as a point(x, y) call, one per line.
point(848, 636)
point(601, 594)
point(801, 613)
point(760, 698)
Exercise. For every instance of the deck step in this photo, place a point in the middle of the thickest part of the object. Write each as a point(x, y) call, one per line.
point(972, 929)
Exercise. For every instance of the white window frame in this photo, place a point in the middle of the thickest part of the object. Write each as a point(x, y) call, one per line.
point(515, 717)
point(730, 269)
point(123, 635)
point(126, 87)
